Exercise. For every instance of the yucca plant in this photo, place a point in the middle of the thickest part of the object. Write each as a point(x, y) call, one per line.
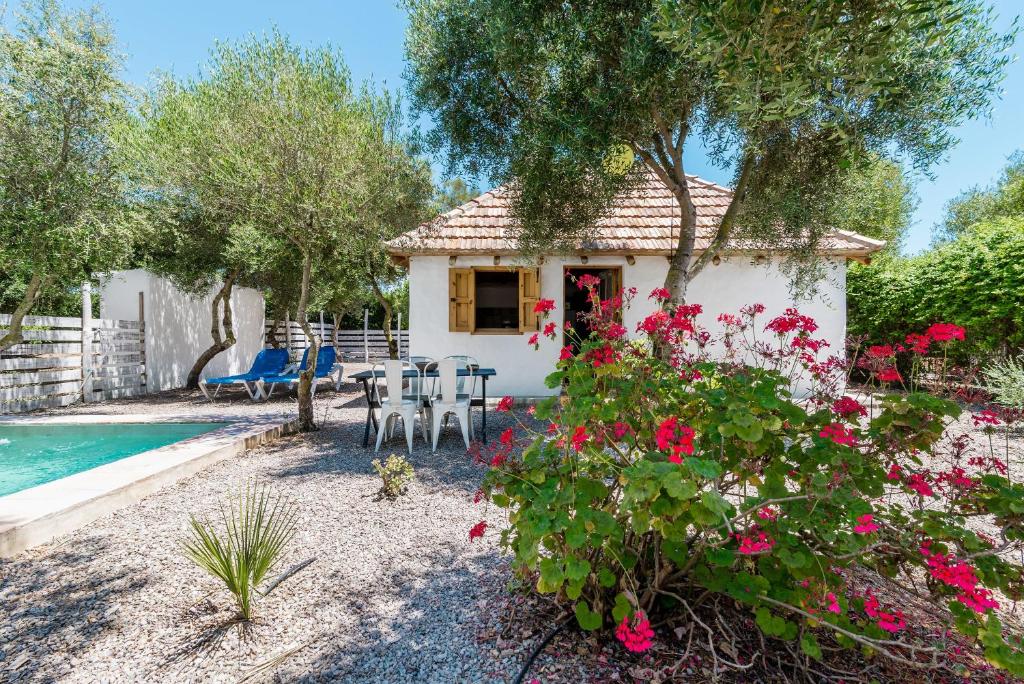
point(256, 526)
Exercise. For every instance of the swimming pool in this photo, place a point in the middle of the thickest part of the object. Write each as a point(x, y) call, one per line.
point(31, 455)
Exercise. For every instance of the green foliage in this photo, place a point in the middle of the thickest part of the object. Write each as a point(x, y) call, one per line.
point(61, 183)
point(255, 528)
point(977, 282)
point(1002, 200)
point(453, 193)
point(660, 483)
point(396, 473)
point(546, 96)
point(876, 200)
point(1005, 379)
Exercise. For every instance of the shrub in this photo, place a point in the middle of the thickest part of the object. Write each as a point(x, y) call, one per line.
point(396, 473)
point(974, 282)
point(1006, 381)
point(255, 527)
point(668, 478)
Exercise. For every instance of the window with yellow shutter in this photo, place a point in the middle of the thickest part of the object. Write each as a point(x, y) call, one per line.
point(493, 300)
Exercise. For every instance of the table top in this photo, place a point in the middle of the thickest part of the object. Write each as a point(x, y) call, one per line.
point(409, 373)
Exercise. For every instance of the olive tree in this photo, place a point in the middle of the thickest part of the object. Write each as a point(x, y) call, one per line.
point(567, 101)
point(61, 188)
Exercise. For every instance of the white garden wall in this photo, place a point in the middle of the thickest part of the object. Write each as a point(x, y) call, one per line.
point(724, 288)
point(178, 326)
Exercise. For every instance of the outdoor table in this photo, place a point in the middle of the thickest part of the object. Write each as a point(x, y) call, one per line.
point(371, 417)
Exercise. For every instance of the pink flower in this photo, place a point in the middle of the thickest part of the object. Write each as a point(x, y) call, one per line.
point(791, 320)
point(848, 406)
point(768, 513)
point(579, 438)
point(864, 524)
point(588, 282)
point(750, 545)
point(958, 574)
point(839, 434)
point(566, 354)
point(506, 437)
point(832, 605)
point(944, 332)
point(505, 404)
point(534, 341)
point(638, 636)
point(889, 375)
point(661, 294)
point(880, 351)
point(890, 622)
point(895, 472)
point(619, 430)
point(477, 530)
point(986, 417)
point(544, 306)
point(676, 438)
point(549, 329)
point(919, 484)
point(918, 343)
point(751, 310)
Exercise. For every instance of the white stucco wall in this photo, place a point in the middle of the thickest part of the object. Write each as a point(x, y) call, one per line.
point(178, 326)
point(724, 288)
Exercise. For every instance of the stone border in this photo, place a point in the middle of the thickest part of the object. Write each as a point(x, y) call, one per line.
point(38, 514)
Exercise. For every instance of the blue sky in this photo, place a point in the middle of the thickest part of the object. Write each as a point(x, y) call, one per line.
point(177, 36)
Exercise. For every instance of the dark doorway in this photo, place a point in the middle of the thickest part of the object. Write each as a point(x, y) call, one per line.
point(577, 304)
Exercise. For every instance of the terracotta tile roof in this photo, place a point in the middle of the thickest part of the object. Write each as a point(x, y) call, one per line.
point(643, 221)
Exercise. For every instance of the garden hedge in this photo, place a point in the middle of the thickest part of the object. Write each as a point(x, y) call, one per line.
point(977, 282)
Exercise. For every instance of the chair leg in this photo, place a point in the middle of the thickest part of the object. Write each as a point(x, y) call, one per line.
point(383, 429)
point(409, 423)
point(424, 417)
point(464, 424)
point(435, 431)
point(202, 388)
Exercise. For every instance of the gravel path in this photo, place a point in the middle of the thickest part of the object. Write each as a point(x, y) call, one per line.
point(395, 593)
point(392, 595)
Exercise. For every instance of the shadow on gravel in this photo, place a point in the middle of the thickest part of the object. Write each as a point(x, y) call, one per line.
point(53, 609)
point(417, 628)
point(337, 449)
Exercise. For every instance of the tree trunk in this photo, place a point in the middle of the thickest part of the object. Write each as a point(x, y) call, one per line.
point(386, 304)
point(306, 418)
point(35, 288)
point(220, 343)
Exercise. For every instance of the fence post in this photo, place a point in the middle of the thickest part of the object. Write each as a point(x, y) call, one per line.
point(87, 341)
point(288, 334)
point(142, 341)
point(399, 334)
point(366, 334)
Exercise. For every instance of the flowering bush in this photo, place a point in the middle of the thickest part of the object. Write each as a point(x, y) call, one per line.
point(681, 466)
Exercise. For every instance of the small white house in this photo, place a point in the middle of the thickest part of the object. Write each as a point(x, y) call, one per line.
point(471, 293)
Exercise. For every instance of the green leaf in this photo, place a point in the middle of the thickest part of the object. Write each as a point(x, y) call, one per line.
point(588, 619)
point(622, 608)
point(576, 568)
point(809, 645)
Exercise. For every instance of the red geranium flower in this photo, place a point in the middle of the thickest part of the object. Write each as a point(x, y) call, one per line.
point(848, 406)
point(505, 404)
point(889, 375)
point(661, 294)
point(944, 332)
point(544, 306)
point(638, 636)
point(477, 530)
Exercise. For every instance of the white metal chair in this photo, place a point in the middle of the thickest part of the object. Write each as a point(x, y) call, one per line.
point(471, 364)
point(396, 404)
point(449, 401)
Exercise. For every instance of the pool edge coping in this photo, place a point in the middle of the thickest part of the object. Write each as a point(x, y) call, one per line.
point(37, 515)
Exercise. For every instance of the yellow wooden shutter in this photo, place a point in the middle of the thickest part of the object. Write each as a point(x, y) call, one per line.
point(460, 299)
point(529, 293)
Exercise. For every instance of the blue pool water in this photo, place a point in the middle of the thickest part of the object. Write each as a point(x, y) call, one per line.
point(33, 454)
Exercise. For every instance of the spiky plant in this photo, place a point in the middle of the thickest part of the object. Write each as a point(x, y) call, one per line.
point(256, 526)
point(1006, 380)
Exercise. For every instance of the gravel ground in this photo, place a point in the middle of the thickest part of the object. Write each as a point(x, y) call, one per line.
point(393, 593)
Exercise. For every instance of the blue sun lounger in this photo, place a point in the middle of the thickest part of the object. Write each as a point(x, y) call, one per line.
point(325, 370)
point(267, 362)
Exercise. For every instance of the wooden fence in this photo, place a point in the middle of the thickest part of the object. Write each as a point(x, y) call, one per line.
point(354, 345)
point(63, 360)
